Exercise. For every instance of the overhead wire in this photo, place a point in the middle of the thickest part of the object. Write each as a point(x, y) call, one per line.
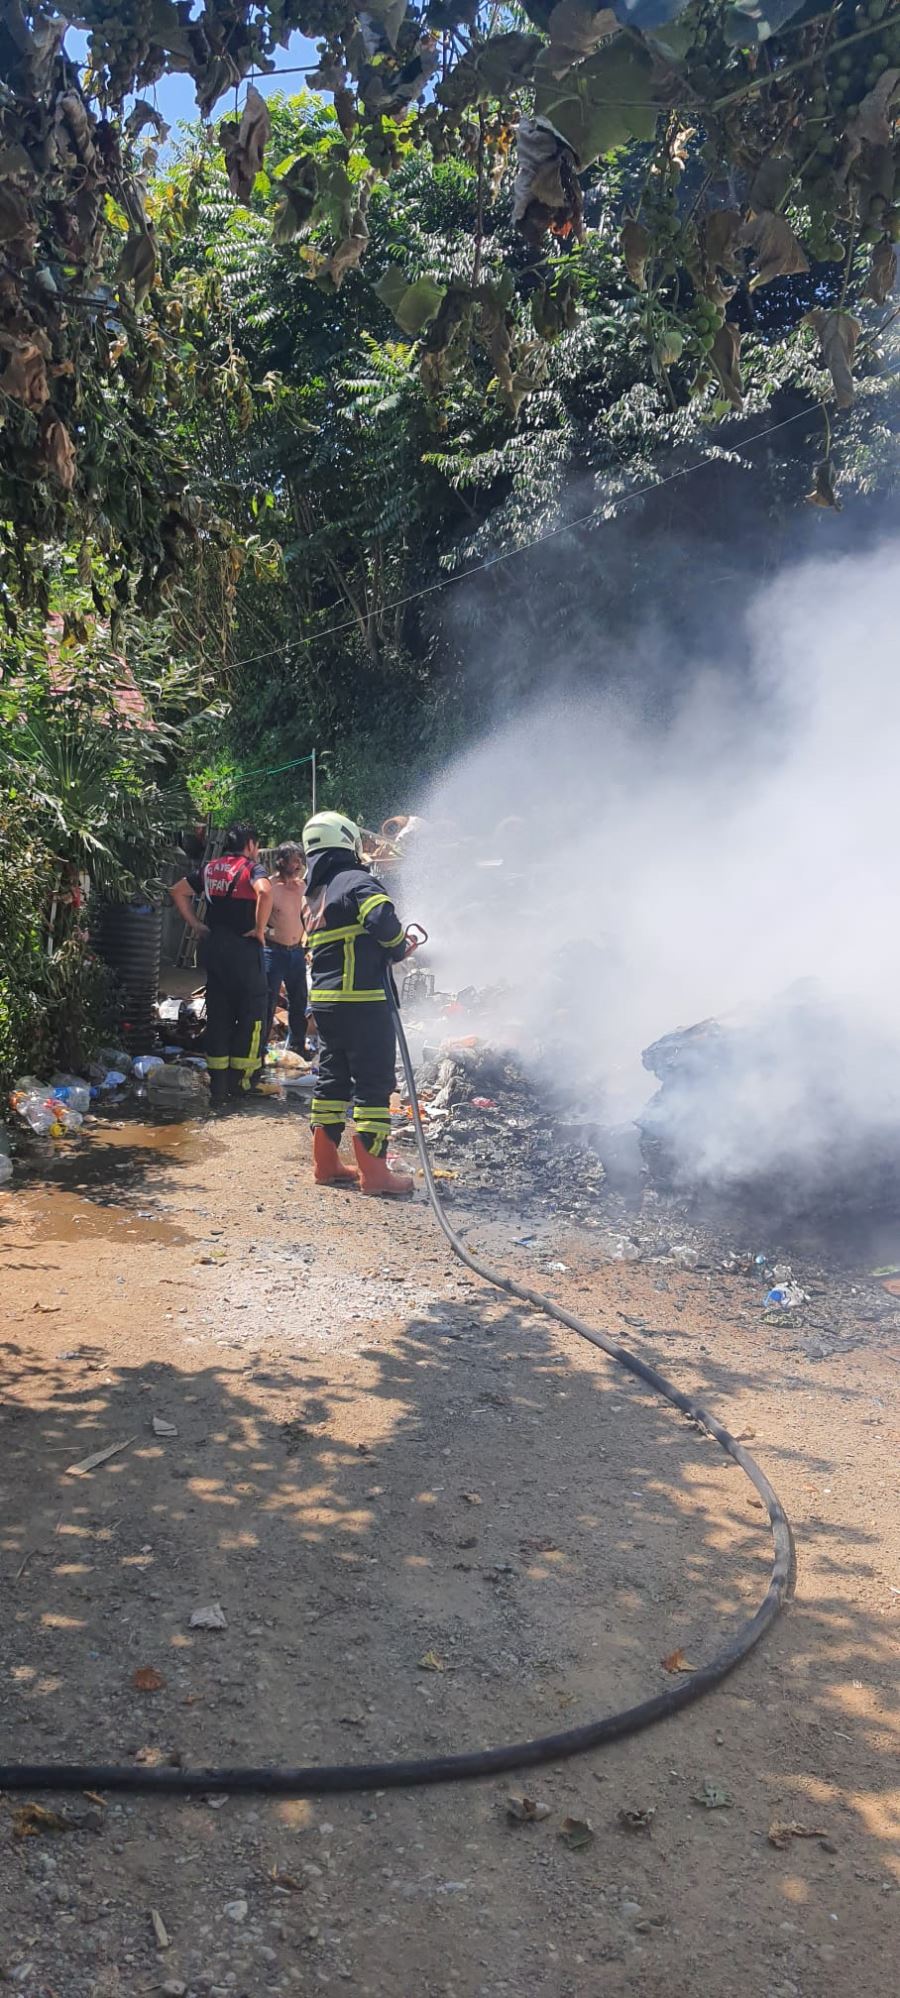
point(597, 517)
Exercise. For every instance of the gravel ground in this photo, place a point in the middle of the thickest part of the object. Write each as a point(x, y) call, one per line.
point(432, 1520)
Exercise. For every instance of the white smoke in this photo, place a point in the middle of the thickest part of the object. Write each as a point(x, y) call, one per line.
point(623, 873)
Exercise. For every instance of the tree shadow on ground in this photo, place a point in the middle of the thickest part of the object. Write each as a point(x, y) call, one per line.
point(470, 1533)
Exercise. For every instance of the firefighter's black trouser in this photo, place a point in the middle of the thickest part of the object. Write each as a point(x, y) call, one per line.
point(358, 1059)
point(236, 1008)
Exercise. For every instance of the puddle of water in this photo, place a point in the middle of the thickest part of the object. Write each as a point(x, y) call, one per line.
point(105, 1186)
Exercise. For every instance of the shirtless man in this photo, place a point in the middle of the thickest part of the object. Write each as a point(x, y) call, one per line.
point(286, 954)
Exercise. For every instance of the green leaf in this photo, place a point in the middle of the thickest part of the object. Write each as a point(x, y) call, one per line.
point(419, 304)
point(412, 305)
point(598, 107)
point(391, 287)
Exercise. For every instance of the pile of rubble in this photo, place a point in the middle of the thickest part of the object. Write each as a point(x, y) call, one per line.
point(488, 1127)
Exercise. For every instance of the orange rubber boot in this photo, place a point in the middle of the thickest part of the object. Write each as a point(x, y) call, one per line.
point(327, 1167)
point(375, 1175)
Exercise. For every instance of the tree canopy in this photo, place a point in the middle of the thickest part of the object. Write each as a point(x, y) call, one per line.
point(728, 167)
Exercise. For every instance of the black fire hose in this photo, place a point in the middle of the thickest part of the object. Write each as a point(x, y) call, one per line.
point(477, 1762)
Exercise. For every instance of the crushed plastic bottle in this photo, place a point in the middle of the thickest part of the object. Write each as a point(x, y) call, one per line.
point(71, 1090)
point(115, 1058)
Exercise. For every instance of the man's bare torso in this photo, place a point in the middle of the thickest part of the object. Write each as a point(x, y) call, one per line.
point(285, 922)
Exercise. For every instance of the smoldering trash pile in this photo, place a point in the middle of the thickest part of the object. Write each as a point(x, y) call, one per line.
point(797, 1098)
point(489, 1127)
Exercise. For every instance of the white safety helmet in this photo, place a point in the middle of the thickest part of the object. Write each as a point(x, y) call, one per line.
point(331, 829)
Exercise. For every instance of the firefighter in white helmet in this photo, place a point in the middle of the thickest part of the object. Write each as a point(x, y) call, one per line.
point(353, 935)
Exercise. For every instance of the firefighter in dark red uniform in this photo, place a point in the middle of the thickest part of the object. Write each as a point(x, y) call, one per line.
point(238, 898)
point(353, 934)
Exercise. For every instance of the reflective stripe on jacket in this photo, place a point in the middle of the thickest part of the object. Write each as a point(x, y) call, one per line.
point(352, 932)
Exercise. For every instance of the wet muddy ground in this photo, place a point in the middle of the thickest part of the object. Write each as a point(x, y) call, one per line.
point(432, 1520)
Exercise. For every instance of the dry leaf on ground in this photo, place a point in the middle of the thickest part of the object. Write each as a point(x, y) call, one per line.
point(677, 1662)
point(430, 1662)
point(712, 1797)
point(147, 1680)
point(576, 1833)
point(780, 1835)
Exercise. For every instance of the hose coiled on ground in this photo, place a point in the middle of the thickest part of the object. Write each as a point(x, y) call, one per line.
point(478, 1762)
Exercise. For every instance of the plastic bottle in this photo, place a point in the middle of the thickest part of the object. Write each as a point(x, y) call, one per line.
point(71, 1090)
point(145, 1064)
point(37, 1113)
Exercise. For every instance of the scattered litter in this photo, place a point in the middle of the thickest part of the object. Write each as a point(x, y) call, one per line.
point(163, 1428)
point(780, 1835)
point(471, 1498)
point(147, 1679)
point(285, 1883)
point(212, 1617)
point(526, 1810)
point(636, 1820)
point(214, 1256)
point(786, 1297)
point(431, 1663)
point(576, 1833)
point(556, 1269)
point(677, 1662)
point(712, 1797)
point(483, 1103)
point(99, 1457)
point(161, 1933)
point(888, 1270)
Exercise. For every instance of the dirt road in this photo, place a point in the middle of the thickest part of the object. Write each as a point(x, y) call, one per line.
point(431, 1520)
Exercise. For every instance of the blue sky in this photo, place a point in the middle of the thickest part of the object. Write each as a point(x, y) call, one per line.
point(174, 95)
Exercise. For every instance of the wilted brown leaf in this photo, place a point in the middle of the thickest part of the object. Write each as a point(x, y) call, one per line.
point(59, 453)
point(824, 493)
point(676, 1662)
point(576, 29)
point(775, 247)
point(725, 356)
point(430, 1662)
point(24, 378)
point(721, 231)
point(838, 334)
point(350, 250)
point(576, 1833)
point(780, 1835)
point(137, 264)
point(32, 1819)
point(635, 243)
point(526, 1810)
point(15, 214)
point(871, 122)
point(770, 182)
point(244, 144)
point(882, 271)
point(147, 1679)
